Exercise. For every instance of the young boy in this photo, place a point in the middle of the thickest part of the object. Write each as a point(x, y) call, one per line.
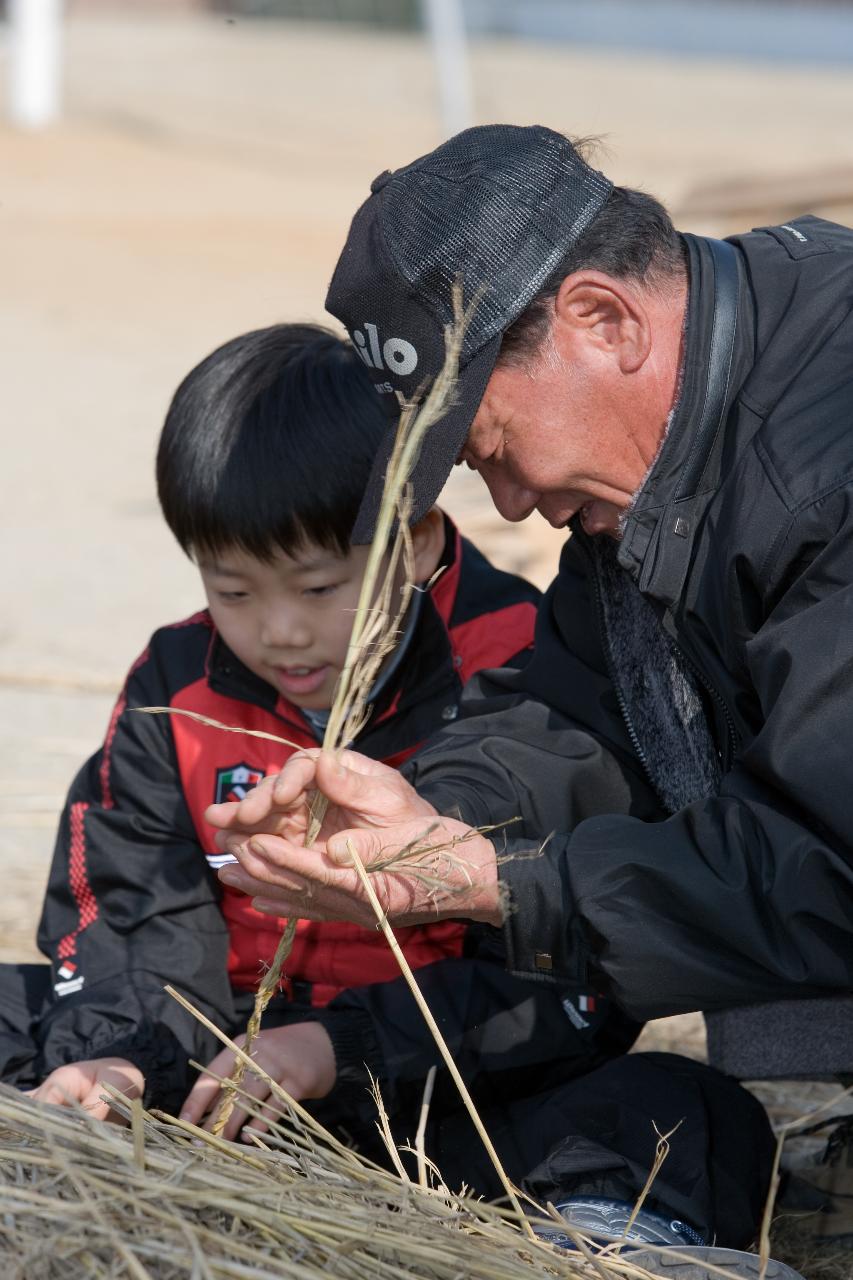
point(265, 453)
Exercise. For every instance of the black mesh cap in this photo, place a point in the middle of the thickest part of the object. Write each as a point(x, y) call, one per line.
point(497, 207)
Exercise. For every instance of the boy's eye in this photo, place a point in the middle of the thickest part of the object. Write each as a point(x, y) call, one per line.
point(232, 597)
point(318, 592)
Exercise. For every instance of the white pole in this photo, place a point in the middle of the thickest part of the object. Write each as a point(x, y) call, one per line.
point(445, 22)
point(34, 33)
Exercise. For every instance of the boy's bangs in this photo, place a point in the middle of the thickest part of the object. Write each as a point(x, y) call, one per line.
point(268, 445)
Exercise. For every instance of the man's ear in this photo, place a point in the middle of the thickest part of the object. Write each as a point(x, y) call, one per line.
point(428, 537)
point(601, 310)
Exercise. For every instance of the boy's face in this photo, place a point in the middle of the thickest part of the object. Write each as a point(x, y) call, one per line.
point(288, 620)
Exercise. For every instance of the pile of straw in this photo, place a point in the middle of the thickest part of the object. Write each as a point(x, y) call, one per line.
point(160, 1200)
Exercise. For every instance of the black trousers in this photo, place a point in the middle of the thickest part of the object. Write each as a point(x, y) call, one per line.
point(595, 1134)
point(23, 990)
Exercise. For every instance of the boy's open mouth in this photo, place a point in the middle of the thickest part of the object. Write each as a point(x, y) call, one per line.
point(301, 680)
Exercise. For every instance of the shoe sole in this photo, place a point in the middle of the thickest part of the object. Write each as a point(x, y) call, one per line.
point(731, 1261)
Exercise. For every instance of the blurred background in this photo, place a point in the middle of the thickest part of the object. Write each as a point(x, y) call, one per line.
point(173, 172)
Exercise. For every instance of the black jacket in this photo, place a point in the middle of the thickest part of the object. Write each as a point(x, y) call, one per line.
point(133, 902)
point(741, 540)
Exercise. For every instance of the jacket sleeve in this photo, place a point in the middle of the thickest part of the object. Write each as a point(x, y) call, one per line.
point(502, 1030)
point(740, 898)
point(747, 896)
point(131, 906)
point(544, 746)
point(541, 750)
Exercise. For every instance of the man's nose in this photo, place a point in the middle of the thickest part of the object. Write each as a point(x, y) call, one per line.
point(283, 628)
point(513, 501)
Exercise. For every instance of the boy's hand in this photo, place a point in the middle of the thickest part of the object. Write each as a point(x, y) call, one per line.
point(82, 1082)
point(372, 806)
point(299, 1057)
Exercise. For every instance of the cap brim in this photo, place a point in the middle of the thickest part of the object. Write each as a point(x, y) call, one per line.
point(439, 450)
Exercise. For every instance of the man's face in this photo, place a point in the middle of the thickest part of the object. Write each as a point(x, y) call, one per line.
point(558, 437)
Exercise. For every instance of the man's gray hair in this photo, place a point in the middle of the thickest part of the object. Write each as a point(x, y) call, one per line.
point(631, 238)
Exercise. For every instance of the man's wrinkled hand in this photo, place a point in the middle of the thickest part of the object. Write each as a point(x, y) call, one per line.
point(425, 867)
point(360, 791)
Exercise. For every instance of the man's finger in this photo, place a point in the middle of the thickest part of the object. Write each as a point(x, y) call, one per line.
point(325, 908)
point(251, 813)
point(369, 845)
point(352, 788)
point(267, 858)
point(295, 779)
point(237, 878)
point(280, 791)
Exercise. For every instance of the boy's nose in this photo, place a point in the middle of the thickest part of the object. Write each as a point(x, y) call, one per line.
point(281, 629)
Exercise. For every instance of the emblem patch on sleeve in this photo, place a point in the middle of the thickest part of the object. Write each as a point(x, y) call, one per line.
point(69, 979)
point(235, 781)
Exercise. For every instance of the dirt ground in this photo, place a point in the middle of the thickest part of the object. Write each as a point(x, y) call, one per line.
point(200, 183)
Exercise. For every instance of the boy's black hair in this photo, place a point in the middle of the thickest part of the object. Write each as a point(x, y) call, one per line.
point(268, 444)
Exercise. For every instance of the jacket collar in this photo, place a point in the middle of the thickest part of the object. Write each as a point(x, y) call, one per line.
point(661, 526)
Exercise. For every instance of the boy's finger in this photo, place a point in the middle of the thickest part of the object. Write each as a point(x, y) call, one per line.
point(258, 1090)
point(54, 1095)
point(93, 1102)
point(259, 1124)
point(199, 1099)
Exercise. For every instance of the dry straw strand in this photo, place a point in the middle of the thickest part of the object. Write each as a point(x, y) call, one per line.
point(467, 1100)
point(366, 647)
point(216, 724)
point(266, 990)
point(775, 1179)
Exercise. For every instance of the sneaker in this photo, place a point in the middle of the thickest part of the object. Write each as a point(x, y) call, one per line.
point(607, 1220)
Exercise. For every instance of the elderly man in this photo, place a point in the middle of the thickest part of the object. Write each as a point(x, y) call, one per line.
point(678, 744)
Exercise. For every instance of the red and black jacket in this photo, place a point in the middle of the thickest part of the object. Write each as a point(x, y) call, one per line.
point(459, 633)
point(133, 901)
